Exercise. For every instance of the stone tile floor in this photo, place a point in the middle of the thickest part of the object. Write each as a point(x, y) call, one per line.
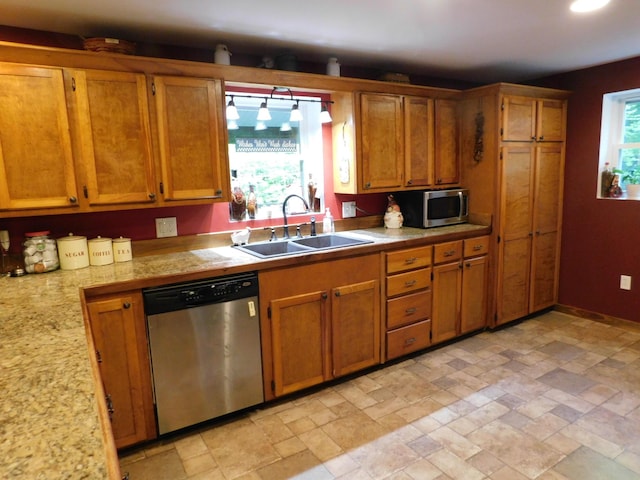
point(554, 397)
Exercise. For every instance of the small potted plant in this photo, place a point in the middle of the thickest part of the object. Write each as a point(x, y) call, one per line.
point(631, 178)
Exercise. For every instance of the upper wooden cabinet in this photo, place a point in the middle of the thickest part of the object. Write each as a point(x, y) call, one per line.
point(527, 119)
point(36, 160)
point(192, 138)
point(387, 142)
point(111, 116)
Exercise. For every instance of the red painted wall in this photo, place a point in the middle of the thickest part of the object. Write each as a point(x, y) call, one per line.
point(600, 238)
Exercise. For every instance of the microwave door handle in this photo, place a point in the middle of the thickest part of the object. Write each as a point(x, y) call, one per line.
point(461, 198)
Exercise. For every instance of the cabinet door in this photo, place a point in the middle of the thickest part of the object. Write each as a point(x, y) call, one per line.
point(299, 335)
point(473, 310)
point(381, 142)
point(119, 333)
point(551, 120)
point(419, 141)
point(447, 164)
point(192, 138)
point(547, 217)
point(355, 327)
point(518, 119)
point(36, 162)
point(515, 232)
point(447, 284)
point(112, 124)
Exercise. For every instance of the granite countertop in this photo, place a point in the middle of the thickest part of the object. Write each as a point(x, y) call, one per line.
point(49, 423)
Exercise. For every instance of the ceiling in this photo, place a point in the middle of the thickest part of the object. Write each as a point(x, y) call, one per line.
point(472, 40)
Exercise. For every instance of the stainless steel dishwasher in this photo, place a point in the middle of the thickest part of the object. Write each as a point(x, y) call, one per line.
point(204, 339)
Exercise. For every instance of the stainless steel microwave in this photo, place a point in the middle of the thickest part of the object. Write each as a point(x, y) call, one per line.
point(433, 208)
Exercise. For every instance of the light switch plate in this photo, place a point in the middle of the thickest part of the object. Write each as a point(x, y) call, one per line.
point(348, 209)
point(625, 282)
point(166, 227)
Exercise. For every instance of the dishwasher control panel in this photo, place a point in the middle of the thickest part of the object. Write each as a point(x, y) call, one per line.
point(192, 294)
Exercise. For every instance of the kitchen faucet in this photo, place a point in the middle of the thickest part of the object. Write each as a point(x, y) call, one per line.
point(284, 212)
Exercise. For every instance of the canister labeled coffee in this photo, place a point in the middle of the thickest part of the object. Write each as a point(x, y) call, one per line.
point(100, 251)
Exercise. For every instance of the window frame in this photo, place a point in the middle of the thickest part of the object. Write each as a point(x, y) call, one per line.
point(612, 132)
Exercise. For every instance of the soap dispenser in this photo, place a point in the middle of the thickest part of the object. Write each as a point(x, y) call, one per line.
point(327, 222)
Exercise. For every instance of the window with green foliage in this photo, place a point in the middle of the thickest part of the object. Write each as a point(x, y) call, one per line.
point(273, 159)
point(619, 144)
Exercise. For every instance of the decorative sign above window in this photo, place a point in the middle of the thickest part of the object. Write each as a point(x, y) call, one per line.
point(281, 145)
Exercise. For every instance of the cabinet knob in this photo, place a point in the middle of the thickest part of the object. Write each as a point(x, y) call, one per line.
point(73, 199)
point(409, 341)
point(410, 283)
point(541, 138)
point(126, 305)
point(337, 294)
point(410, 311)
point(367, 185)
point(410, 261)
point(324, 295)
point(152, 196)
point(410, 182)
point(533, 137)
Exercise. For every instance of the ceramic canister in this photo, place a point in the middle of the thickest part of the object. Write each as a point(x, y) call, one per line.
point(100, 251)
point(122, 249)
point(73, 252)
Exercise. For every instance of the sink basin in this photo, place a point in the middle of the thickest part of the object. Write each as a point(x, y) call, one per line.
point(300, 245)
point(273, 249)
point(330, 241)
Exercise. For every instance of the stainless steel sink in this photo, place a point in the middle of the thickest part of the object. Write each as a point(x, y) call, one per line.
point(273, 249)
point(330, 241)
point(300, 245)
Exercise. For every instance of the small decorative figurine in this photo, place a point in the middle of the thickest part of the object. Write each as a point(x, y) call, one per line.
point(393, 216)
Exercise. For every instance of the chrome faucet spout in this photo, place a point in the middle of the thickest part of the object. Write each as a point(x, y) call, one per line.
point(284, 212)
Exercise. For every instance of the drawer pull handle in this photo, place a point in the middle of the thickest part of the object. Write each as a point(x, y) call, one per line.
point(477, 247)
point(410, 283)
point(409, 341)
point(411, 311)
point(449, 253)
point(411, 260)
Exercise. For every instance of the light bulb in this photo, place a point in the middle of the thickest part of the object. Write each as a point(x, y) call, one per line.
point(232, 111)
point(325, 116)
point(296, 114)
point(263, 113)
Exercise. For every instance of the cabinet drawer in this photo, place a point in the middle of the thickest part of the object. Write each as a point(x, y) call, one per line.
point(447, 252)
point(408, 309)
point(408, 339)
point(476, 246)
point(409, 259)
point(408, 282)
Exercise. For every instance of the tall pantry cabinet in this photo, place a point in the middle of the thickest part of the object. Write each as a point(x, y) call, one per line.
point(512, 152)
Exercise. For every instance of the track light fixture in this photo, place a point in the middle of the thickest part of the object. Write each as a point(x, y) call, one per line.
point(263, 113)
point(296, 114)
point(325, 116)
point(281, 92)
point(232, 111)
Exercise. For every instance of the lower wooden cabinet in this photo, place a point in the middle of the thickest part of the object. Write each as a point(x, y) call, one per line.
point(319, 322)
point(119, 334)
point(459, 288)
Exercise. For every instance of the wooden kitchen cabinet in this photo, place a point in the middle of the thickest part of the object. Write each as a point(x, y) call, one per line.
point(319, 321)
point(408, 300)
point(529, 253)
point(118, 328)
point(192, 139)
point(399, 142)
point(514, 165)
point(111, 119)
point(36, 158)
point(459, 288)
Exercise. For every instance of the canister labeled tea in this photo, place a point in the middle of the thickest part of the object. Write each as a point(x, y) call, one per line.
point(122, 249)
point(100, 251)
point(73, 251)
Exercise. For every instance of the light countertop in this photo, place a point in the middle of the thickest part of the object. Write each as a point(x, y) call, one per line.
point(49, 423)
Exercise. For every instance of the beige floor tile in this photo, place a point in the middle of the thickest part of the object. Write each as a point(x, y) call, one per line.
point(552, 398)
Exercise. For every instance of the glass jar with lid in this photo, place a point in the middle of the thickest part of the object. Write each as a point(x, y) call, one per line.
point(40, 252)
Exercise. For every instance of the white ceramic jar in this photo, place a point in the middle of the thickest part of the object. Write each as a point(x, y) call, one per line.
point(73, 251)
point(100, 251)
point(222, 55)
point(122, 249)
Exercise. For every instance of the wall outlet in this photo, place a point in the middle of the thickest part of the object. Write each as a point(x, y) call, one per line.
point(348, 209)
point(166, 227)
point(625, 282)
